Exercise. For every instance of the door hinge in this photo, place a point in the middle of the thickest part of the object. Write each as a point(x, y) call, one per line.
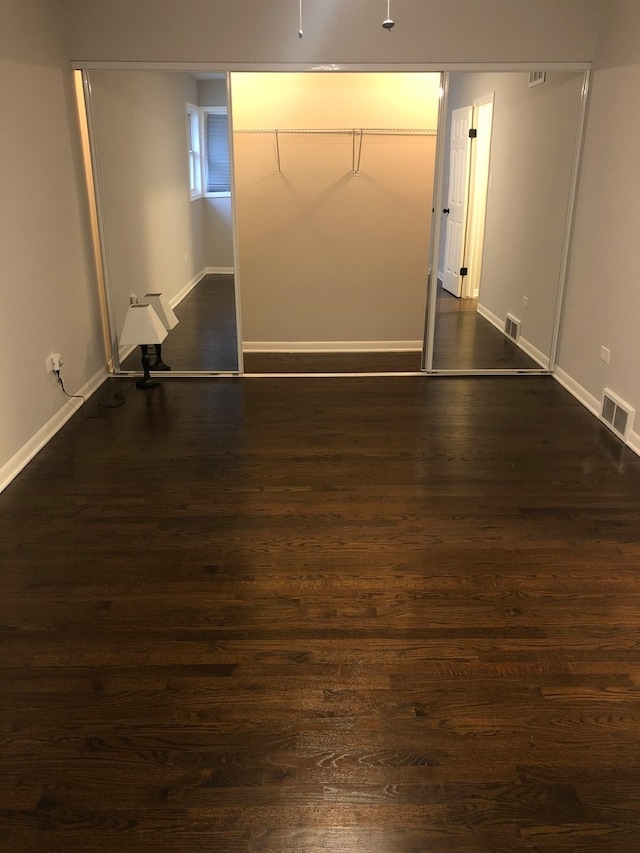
point(473, 133)
point(464, 270)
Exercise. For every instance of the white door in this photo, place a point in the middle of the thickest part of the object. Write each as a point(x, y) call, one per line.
point(456, 210)
point(478, 189)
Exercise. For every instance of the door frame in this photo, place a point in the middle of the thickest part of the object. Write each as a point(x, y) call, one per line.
point(477, 203)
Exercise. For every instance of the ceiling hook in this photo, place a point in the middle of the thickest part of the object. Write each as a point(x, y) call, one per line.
point(388, 23)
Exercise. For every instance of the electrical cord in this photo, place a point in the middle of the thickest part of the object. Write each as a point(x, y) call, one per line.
point(120, 397)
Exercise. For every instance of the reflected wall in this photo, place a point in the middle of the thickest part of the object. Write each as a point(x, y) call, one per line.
point(155, 237)
point(528, 204)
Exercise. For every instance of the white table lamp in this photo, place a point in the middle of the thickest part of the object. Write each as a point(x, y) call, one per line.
point(142, 324)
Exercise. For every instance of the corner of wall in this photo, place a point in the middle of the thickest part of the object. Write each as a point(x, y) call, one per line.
point(591, 403)
point(28, 451)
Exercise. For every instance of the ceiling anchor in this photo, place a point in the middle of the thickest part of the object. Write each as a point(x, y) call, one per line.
point(388, 22)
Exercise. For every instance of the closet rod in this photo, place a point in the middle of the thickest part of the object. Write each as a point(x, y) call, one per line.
point(356, 135)
point(370, 131)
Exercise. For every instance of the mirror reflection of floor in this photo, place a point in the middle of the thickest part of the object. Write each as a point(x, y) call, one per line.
point(464, 340)
point(205, 338)
point(332, 362)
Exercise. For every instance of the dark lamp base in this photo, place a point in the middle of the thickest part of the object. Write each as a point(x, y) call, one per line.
point(146, 382)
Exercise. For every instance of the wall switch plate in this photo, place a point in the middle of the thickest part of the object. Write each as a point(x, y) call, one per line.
point(525, 301)
point(605, 354)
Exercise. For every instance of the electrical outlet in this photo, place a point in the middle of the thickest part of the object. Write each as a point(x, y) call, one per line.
point(605, 354)
point(133, 299)
point(525, 301)
point(54, 362)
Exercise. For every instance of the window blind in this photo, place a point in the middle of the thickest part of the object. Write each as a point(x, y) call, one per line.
point(217, 139)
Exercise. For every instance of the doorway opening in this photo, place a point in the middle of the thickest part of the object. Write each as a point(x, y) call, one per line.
point(334, 180)
point(509, 156)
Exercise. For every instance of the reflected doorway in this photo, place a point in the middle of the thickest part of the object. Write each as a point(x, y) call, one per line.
point(510, 179)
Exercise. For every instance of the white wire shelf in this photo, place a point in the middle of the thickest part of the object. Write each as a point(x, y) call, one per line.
point(357, 135)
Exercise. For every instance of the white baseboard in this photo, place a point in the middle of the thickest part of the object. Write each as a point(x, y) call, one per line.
point(526, 346)
point(125, 352)
point(634, 442)
point(533, 352)
point(491, 317)
point(219, 271)
point(332, 346)
point(591, 403)
point(21, 459)
point(177, 299)
point(581, 394)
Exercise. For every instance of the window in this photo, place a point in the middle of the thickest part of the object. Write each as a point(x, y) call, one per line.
point(195, 164)
point(216, 151)
point(208, 141)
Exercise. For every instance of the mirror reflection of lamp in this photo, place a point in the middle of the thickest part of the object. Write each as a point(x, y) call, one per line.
point(143, 324)
point(168, 319)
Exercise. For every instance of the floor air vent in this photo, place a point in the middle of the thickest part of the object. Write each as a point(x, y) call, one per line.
point(512, 327)
point(617, 414)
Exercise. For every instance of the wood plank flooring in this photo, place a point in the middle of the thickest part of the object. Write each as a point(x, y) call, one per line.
point(357, 614)
point(206, 336)
point(332, 362)
point(206, 340)
point(464, 340)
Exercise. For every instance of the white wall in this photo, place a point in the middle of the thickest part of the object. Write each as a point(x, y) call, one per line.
point(154, 239)
point(49, 299)
point(535, 131)
point(603, 298)
point(45, 272)
point(253, 31)
point(328, 259)
point(217, 212)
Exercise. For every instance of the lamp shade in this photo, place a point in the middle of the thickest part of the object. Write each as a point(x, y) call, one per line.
point(162, 308)
point(142, 326)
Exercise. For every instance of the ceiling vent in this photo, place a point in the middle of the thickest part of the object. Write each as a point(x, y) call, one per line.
point(512, 327)
point(617, 414)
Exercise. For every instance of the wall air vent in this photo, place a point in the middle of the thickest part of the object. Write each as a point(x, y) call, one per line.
point(617, 414)
point(536, 78)
point(512, 327)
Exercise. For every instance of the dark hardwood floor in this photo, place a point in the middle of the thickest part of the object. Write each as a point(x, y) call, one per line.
point(332, 362)
point(464, 340)
point(288, 616)
point(205, 338)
